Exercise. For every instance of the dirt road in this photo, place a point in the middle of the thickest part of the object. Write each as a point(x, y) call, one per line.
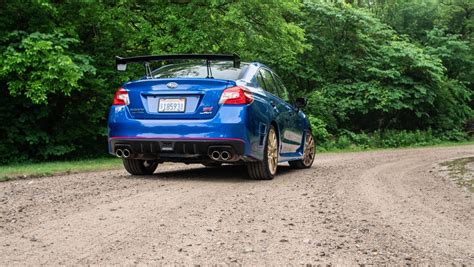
point(350, 208)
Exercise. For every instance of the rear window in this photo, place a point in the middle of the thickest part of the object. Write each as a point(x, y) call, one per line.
point(220, 70)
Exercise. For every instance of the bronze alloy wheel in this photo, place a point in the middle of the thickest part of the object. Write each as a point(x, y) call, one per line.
point(272, 151)
point(308, 153)
point(266, 169)
point(308, 157)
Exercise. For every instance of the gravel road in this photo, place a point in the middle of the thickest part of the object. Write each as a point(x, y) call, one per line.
point(391, 206)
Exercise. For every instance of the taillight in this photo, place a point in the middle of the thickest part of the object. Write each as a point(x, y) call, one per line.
point(121, 97)
point(236, 95)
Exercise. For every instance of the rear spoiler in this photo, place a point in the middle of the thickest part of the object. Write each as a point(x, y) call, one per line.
point(121, 62)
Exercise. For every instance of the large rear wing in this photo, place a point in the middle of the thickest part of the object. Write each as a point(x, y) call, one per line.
point(121, 62)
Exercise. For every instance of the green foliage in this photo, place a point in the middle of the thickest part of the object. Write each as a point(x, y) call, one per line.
point(455, 53)
point(404, 138)
point(413, 18)
point(457, 16)
point(324, 109)
point(57, 60)
point(31, 169)
point(376, 73)
point(38, 64)
point(318, 129)
point(363, 76)
point(249, 28)
point(347, 140)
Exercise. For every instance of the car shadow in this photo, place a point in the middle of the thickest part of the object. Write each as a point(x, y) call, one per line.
point(225, 173)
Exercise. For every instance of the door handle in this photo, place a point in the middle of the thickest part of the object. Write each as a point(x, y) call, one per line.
point(273, 104)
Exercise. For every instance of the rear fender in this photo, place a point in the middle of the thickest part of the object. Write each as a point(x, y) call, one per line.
point(260, 115)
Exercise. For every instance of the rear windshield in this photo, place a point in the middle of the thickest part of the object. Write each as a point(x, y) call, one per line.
point(220, 70)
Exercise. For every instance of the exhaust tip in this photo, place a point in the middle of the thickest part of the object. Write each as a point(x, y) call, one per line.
point(215, 155)
point(126, 153)
point(225, 155)
point(119, 153)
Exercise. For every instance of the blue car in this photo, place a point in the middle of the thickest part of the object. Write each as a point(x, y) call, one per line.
point(208, 109)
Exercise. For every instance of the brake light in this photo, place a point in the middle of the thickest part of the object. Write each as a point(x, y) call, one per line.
point(236, 95)
point(121, 97)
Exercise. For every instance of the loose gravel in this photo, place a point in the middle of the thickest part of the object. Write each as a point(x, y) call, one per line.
point(380, 207)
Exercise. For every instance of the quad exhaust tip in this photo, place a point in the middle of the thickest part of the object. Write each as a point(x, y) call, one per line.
point(225, 155)
point(123, 153)
point(215, 155)
point(221, 156)
point(126, 153)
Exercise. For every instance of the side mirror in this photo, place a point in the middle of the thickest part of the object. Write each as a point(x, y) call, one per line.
point(300, 102)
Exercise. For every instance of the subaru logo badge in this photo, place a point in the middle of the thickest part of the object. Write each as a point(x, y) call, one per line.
point(172, 85)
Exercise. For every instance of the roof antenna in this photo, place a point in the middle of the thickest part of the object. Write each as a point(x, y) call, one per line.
point(209, 71)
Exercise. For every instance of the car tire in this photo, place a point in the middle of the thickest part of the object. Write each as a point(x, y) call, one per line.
point(140, 167)
point(212, 164)
point(308, 155)
point(266, 169)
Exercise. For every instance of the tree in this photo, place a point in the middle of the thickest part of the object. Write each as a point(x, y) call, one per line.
point(372, 78)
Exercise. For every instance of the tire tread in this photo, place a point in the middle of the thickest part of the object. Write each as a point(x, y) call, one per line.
point(136, 167)
point(260, 170)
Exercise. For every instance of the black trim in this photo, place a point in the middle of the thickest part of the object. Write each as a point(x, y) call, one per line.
point(174, 148)
point(141, 59)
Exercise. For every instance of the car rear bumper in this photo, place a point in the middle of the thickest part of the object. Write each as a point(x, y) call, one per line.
point(174, 149)
point(179, 140)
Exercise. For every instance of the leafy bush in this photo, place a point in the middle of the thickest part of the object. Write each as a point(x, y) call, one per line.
point(389, 139)
point(37, 65)
point(318, 128)
point(454, 135)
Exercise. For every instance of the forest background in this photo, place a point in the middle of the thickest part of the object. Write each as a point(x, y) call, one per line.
point(377, 73)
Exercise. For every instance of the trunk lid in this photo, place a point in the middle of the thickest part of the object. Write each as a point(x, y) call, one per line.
point(175, 98)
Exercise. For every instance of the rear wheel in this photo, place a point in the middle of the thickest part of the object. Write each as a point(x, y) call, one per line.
point(266, 169)
point(140, 167)
point(308, 156)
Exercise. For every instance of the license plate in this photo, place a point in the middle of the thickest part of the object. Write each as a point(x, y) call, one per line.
point(172, 105)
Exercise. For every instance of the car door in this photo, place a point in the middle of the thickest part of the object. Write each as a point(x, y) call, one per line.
point(294, 129)
point(281, 109)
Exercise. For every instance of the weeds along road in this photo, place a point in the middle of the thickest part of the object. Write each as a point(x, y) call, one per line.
point(370, 207)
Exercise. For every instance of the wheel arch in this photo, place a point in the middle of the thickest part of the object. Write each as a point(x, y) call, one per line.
point(277, 130)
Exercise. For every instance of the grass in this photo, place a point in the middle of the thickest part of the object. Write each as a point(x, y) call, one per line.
point(460, 172)
point(28, 170)
point(355, 148)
